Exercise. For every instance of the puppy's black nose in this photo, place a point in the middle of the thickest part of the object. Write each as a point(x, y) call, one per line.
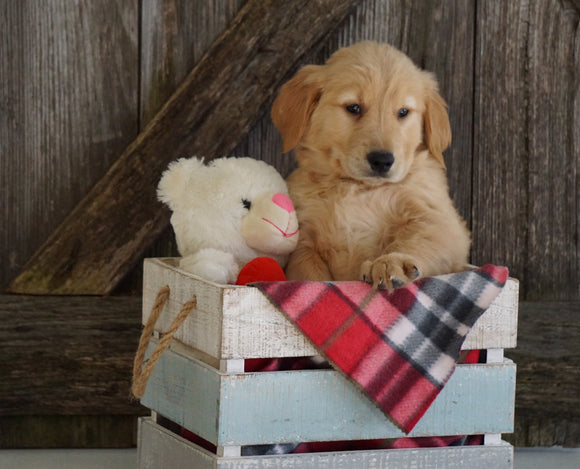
point(380, 161)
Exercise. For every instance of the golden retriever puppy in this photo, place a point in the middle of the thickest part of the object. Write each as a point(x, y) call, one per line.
point(369, 129)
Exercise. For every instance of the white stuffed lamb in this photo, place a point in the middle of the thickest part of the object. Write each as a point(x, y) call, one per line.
point(227, 213)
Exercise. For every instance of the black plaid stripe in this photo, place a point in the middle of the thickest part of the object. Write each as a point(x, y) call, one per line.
point(436, 331)
point(453, 309)
point(417, 349)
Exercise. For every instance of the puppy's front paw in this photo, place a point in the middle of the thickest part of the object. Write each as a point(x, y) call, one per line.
point(390, 271)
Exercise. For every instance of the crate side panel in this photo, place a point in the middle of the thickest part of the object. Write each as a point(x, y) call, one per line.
point(185, 391)
point(254, 328)
point(158, 448)
point(498, 326)
point(202, 328)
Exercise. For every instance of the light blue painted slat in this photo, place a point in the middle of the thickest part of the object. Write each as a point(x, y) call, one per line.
point(316, 405)
point(323, 405)
point(184, 391)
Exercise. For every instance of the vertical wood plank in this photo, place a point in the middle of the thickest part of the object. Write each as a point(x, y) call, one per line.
point(68, 106)
point(554, 151)
point(175, 34)
point(527, 154)
point(500, 143)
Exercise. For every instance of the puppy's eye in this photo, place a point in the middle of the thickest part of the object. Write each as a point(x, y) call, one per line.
point(354, 109)
point(247, 204)
point(403, 112)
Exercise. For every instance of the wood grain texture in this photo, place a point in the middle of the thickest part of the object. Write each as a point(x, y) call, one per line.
point(68, 106)
point(159, 448)
point(103, 237)
point(548, 380)
point(553, 65)
point(232, 322)
point(174, 36)
point(316, 405)
point(526, 153)
point(68, 431)
point(67, 356)
point(500, 176)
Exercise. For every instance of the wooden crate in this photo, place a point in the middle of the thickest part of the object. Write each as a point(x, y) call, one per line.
point(160, 448)
point(200, 384)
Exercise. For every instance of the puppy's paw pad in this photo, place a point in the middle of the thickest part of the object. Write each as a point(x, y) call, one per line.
point(414, 273)
point(397, 282)
point(390, 271)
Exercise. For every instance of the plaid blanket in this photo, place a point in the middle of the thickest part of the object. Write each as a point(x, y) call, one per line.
point(399, 348)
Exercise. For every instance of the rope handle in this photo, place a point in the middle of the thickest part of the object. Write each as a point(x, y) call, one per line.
point(142, 373)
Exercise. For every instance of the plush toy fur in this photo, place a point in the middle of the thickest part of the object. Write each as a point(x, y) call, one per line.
point(227, 213)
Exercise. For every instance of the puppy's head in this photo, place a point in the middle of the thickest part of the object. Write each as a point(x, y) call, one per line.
point(363, 115)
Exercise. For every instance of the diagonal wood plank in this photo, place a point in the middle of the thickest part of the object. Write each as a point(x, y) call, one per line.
point(216, 105)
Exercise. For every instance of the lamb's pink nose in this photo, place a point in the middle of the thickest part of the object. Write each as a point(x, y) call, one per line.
point(282, 200)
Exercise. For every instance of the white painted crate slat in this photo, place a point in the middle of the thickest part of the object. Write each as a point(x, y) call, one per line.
point(160, 449)
point(233, 322)
point(316, 405)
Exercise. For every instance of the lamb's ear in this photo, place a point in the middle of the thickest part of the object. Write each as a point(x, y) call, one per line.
point(176, 179)
point(437, 128)
point(294, 105)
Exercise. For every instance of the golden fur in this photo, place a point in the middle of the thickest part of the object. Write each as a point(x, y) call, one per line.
point(386, 228)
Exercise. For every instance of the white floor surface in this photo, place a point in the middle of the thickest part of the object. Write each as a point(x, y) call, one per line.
point(525, 458)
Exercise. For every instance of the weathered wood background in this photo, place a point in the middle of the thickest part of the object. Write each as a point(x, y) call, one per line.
point(79, 80)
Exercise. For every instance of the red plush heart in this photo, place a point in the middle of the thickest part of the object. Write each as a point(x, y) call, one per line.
point(261, 269)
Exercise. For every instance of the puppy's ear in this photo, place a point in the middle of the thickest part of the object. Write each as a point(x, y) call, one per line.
point(294, 105)
point(436, 124)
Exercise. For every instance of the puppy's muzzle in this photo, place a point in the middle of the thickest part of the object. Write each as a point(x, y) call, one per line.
point(380, 162)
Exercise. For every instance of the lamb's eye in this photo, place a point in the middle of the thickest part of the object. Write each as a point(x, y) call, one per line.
point(247, 204)
point(403, 112)
point(354, 109)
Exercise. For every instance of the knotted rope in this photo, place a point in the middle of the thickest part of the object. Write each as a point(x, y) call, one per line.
point(142, 373)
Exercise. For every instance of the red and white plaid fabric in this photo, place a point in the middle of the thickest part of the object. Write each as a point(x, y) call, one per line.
point(400, 348)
